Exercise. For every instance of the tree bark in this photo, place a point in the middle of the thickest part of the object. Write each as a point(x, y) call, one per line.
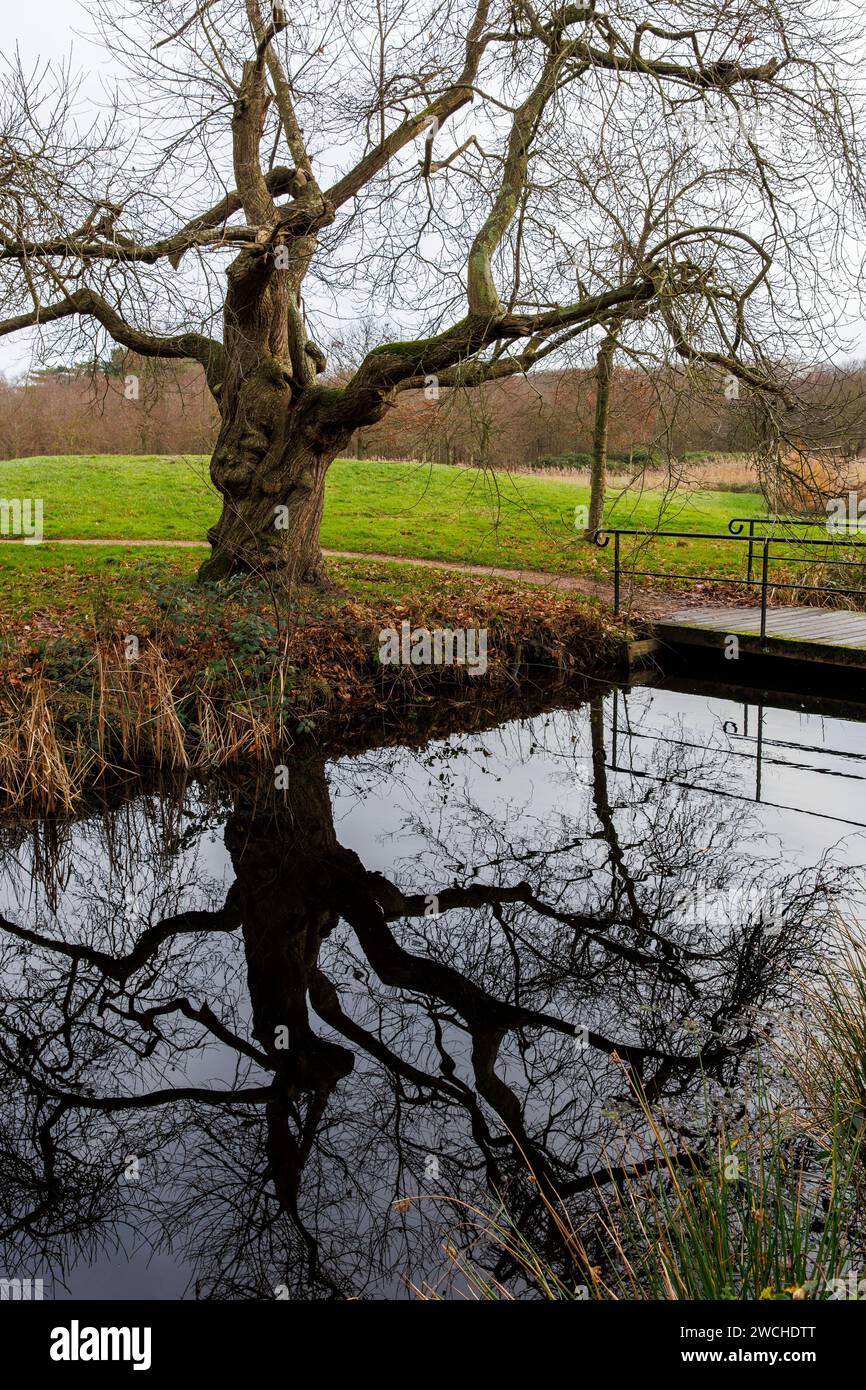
point(598, 472)
point(270, 467)
point(272, 452)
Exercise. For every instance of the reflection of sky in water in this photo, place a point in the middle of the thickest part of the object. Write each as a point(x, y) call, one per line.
point(808, 771)
point(414, 816)
point(811, 776)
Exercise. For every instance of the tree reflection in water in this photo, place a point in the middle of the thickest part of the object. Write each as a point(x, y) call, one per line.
point(251, 1059)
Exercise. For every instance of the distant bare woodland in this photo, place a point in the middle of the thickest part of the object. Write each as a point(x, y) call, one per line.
point(138, 406)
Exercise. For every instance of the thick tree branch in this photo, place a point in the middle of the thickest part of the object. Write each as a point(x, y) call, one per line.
point(387, 368)
point(481, 290)
point(195, 346)
point(125, 248)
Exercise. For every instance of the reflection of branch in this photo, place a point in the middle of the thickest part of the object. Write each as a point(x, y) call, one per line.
point(396, 904)
point(205, 1015)
point(75, 1100)
point(120, 968)
point(326, 1003)
point(355, 900)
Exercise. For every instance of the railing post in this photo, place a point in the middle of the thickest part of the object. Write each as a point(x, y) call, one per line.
point(751, 552)
point(765, 565)
point(616, 571)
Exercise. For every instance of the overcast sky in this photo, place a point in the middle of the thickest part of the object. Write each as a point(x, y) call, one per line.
point(48, 29)
point(57, 30)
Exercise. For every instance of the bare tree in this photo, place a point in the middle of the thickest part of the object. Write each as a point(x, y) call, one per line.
point(429, 179)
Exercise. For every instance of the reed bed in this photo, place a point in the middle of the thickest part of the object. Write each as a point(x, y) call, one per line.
point(718, 473)
point(827, 1058)
point(37, 768)
point(140, 717)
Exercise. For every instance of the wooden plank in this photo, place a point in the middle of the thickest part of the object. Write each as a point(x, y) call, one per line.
point(838, 635)
point(823, 636)
point(834, 639)
point(814, 632)
point(841, 617)
point(646, 646)
point(710, 623)
point(816, 620)
point(827, 627)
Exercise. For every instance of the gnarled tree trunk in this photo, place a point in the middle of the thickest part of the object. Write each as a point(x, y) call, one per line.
point(274, 447)
point(269, 466)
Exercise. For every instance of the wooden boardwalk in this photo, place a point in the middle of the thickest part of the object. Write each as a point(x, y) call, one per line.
point(827, 636)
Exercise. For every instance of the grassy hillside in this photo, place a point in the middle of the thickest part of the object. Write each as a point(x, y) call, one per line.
point(410, 509)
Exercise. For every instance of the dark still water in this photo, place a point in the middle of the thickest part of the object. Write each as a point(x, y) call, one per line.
point(253, 1040)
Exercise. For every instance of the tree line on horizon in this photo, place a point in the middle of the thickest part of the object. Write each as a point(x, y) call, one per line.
point(132, 405)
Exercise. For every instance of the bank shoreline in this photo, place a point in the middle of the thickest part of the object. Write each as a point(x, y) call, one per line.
point(182, 677)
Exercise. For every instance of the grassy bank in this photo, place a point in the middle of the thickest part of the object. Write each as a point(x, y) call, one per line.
point(411, 509)
point(769, 1210)
point(121, 662)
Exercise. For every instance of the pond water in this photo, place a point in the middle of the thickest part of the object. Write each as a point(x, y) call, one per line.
point(261, 1043)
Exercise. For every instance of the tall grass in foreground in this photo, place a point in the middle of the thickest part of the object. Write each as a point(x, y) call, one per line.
point(772, 1207)
point(827, 1059)
point(759, 1212)
point(136, 717)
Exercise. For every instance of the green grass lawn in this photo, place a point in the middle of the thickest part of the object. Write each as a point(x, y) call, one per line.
point(43, 577)
point(130, 497)
point(411, 509)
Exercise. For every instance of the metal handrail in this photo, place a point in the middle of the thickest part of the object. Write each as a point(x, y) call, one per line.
point(602, 537)
point(736, 524)
point(709, 536)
